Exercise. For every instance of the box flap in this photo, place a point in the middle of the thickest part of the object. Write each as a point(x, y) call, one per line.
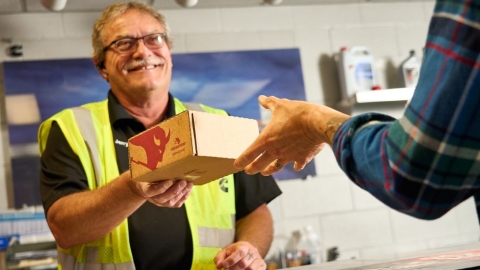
point(222, 136)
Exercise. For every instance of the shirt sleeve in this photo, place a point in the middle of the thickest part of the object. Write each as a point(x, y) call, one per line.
point(61, 172)
point(426, 162)
point(251, 191)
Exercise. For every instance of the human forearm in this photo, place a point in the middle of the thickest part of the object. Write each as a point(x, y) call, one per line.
point(325, 122)
point(257, 229)
point(397, 166)
point(86, 216)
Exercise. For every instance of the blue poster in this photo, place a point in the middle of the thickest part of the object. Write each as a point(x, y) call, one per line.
point(35, 90)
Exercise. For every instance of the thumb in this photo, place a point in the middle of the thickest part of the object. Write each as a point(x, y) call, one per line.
point(267, 102)
point(262, 100)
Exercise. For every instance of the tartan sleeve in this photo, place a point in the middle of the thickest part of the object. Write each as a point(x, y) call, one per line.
point(428, 161)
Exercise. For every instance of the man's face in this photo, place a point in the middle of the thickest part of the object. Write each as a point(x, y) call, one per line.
point(126, 72)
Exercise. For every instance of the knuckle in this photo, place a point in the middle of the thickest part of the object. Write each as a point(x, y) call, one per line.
point(243, 263)
point(171, 203)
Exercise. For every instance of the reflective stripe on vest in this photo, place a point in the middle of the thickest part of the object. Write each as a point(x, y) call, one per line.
point(220, 232)
point(67, 262)
point(214, 230)
point(84, 120)
point(214, 237)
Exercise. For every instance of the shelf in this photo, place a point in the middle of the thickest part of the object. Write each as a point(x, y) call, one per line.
point(41, 255)
point(385, 95)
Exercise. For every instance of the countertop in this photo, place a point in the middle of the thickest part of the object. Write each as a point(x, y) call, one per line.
point(447, 258)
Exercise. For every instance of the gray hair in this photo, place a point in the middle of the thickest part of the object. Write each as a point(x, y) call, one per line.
point(113, 12)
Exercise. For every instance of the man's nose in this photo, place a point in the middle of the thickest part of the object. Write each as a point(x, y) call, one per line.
point(140, 47)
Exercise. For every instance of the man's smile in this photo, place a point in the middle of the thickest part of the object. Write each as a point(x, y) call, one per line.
point(144, 64)
point(143, 67)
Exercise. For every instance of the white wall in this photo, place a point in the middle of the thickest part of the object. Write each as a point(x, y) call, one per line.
point(344, 215)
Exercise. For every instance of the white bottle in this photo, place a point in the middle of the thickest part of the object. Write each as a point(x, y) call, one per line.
point(356, 72)
point(310, 245)
point(410, 70)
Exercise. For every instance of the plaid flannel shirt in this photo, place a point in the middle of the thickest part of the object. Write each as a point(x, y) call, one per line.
point(428, 161)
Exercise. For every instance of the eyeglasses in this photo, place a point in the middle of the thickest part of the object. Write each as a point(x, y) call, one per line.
point(129, 44)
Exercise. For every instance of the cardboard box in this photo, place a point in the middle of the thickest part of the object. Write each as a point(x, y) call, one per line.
point(197, 146)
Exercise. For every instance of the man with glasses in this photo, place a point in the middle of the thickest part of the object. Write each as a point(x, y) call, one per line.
point(99, 217)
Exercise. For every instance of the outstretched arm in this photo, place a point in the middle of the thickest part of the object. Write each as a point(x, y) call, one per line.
point(86, 216)
point(424, 163)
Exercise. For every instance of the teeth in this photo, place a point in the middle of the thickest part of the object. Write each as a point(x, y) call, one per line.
point(152, 66)
point(148, 67)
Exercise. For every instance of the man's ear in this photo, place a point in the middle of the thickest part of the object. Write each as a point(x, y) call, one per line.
point(100, 68)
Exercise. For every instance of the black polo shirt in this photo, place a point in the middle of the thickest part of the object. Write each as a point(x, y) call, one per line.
point(160, 238)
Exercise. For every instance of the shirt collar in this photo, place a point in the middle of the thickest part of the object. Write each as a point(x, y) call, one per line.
point(117, 111)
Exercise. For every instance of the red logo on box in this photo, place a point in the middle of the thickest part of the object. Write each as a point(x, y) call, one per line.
point(153, 141)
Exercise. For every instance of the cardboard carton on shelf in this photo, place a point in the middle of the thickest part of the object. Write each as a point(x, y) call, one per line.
point(193, 145)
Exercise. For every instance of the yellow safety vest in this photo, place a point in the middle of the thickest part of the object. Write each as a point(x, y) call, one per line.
point(210, 210)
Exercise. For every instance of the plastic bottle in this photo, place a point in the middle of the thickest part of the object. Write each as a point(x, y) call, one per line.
point(356, 73)
point(410, 70)
point(292, 255)
point(310, 246)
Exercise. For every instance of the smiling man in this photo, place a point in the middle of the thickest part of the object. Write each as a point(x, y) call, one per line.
point(99, 217)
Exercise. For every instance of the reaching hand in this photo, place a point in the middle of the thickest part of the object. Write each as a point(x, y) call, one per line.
point(239, 255)
point(296, 132)
point(166, 193)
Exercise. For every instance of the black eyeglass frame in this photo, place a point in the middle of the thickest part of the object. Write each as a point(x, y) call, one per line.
point(162, 35)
